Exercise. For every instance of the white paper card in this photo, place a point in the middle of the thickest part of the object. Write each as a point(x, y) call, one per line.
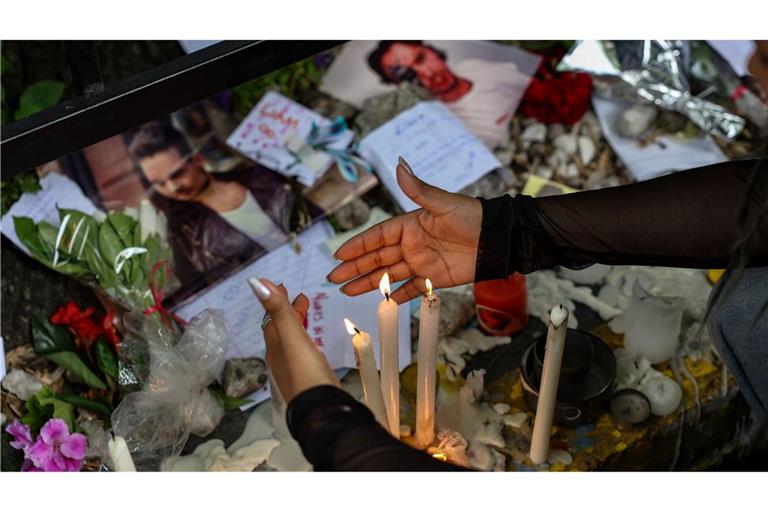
point(439, 149)
point(667, 154)
point(304, 272)
point(2, 358)
point(275, 124)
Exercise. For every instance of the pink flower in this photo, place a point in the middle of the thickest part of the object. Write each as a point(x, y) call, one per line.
point(56, 449)
point(21, 434)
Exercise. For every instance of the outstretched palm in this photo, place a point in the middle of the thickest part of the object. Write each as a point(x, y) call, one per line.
point(438, 241)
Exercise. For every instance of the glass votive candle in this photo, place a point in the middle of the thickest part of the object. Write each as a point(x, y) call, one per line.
point(653, 325)
point(502, 305)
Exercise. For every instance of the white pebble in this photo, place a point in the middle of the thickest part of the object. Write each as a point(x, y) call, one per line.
point(502, 408)
point(566, 143)
point(537, 132)
point(515, 420)
point(587, 150)
point(560, 457)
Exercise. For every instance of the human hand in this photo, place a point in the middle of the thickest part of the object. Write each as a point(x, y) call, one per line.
point(294, 360)
point(438, 241)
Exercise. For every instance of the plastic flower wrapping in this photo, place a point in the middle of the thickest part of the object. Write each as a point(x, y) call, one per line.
point(165, 364)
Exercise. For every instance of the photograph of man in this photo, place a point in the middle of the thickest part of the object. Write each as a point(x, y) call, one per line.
point(216, 221)
point(482, 93)
point(482, 82)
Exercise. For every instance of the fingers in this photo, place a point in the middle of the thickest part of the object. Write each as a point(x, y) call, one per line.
point(425, 195)
point(368, 262)
point(368, 282)
point(286, 319)
point(301, 306)
point(410, 290)
point(382, 234)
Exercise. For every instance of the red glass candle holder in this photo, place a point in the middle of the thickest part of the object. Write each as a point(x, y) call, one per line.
point(502, 305)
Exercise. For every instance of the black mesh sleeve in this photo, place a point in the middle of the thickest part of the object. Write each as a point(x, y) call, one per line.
point(338, 433)
point(687, 219)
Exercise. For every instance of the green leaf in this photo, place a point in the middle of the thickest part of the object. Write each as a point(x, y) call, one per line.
point(110, 244)
point(98, 406)
point(47, 235)
point(229, 403)
point(123, 225)
point(48, 338)
point(27, 231)
point(62, 410)
point(39, 96)
point(28, 182)
point(37, 414)
point(75, 364)
point(106, 358)
point(80, 233)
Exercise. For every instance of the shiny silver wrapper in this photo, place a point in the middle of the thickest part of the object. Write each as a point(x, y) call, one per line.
point(653, 71)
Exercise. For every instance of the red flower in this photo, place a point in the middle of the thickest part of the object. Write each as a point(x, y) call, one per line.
point(559, 98)
point(109, 330)
point(83, 326)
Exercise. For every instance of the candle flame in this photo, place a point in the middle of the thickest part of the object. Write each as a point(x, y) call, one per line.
point(351, 328)
point(384, 285)
point(429, 287)
point(440, 456)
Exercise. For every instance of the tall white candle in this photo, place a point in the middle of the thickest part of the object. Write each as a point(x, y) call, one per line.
point(429, 318)
point(550, 376)
point(369, 375)
point(120, 454)
point(390, 367)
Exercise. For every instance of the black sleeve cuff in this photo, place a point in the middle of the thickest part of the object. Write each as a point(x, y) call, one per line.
point(495, 245)
point(318, 415)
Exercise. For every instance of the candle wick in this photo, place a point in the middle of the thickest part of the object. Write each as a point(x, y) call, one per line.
point(386, 295)
point(356, 330)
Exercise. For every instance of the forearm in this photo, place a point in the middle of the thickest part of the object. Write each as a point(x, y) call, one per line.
point(338, 433)
point(687, 219)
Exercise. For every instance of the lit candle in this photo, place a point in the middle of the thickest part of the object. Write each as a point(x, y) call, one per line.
point(429, 318)
point(120, 454)
point(390, 367)
point(366, 364)
point(550, 376)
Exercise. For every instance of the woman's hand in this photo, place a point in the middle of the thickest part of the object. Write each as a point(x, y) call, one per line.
point(294, 360)
point(438, 241)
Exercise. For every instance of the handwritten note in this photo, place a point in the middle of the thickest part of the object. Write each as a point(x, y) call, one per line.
point(666, 154)
point(56, 192)
point(304, 272)
point(439, 148)
point(277, 123)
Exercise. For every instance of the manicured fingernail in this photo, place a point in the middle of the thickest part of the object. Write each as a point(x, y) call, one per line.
point(261, 291)
point(405, 165)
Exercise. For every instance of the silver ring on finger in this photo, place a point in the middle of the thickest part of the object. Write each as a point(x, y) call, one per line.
point(265, 321)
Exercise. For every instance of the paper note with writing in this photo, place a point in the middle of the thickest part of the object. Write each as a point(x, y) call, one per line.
point(304, 272)
point(56, 192)
point(439, 148)
point(665, 154)
point(2, 358)
point(273, 134)
point(377, 215)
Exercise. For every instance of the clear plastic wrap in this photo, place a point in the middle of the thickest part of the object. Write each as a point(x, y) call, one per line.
point(174, 400)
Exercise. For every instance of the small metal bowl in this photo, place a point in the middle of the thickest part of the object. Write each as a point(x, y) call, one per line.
point(582, 394)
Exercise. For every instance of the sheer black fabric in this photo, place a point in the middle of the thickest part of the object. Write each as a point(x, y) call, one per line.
point(687, 219)
point(338, 433)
